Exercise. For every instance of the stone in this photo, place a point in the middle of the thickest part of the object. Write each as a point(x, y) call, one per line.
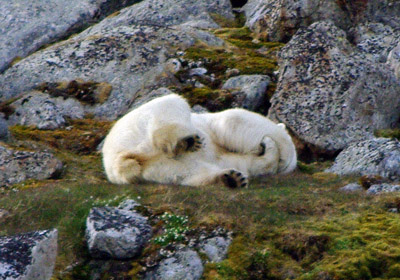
point(278, 20)
point(3, 215)
point(4, 131)
point(128, 204)
point(129, 58)
point(114, 233)
point(253, 87)
point(329, 94)
point(349, 188)
point(197, 72)
point(150, 96)
point(17, 166)
point(215, 248)
point(393, 60)
point(378, 156)
point(185, 264)
point(383, 188)
point(27, 26)
point(28, 256)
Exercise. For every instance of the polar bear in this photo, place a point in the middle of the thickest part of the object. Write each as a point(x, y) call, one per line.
point(162, 141)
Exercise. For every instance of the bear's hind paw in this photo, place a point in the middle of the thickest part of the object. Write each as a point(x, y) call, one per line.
point(234, 179)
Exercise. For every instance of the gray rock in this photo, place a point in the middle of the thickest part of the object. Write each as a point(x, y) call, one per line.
point(383, 188)
point(17, 166)
point(378, 156)
point(116, 233)
point(150, 96)
point(158, 13)
point(216, 248)
point(28, 256)
point(185, 264)
point(129, 58)
point(197, 72)
point(375, 40)
point(253, 87)
point(279, 20)
point(393, 60)
point(128, 204)
point(328, 93)
point(28, 25)
point(4, 132)
point(349, 188)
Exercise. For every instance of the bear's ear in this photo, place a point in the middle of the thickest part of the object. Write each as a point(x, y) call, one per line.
point(282, 125)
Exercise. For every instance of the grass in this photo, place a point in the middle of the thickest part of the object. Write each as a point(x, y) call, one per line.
point(295, 226)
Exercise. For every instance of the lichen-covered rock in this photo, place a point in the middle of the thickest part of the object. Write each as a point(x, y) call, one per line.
point(328, 93)
point(195, 13)
point(28, 256)
point(383, 188)
point(128, 204)
point(17, 166)
point(4, 132)
point(185, 264)
point(116, 233)
point(42, 111)
point(28, 25)
point(253, 87)
point(129, 58)
point(378, 156)
point(215, 248)
point(393, 60)
point(350, 188)
point(278, 20)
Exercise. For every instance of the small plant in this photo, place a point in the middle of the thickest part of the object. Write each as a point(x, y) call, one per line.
point(175, 229)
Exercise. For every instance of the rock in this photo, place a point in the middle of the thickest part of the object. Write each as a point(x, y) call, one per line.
point(379, 156)
point(216, 248)
point(42, 111)
point(128, 204)
point(128, 58)
point(28, 256)
point(150, 96)
point(116, 233)
point(383, 188)
point(253, 87)
point(185, 264)
point(279, 20)
point(27, 26)
point(375, 40)
point(4, 132)
point(3, 214)
point(349, 188)
point(199, 109)
point(197, 72)
point(393, 60)
point(17, 166)
point(163, 13)
point(329, 94)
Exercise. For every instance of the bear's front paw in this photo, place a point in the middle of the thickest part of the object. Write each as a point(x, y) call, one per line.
point(188, 144)
point(234, 179)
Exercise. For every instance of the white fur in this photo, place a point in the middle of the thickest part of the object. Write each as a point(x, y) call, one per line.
point(143, 145)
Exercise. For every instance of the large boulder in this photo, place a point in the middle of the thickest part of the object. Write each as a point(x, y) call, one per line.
point(131, 58)
point(116, 233)
point(185, 264)
point(17, 166)
point(278, 20)
point(28, 25)
point(28, 256)
point(215, 248)
point(378, 156)
point(329, 94)
point(4, 132)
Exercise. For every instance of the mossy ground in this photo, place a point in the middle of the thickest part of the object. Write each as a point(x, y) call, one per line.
point(297, 226)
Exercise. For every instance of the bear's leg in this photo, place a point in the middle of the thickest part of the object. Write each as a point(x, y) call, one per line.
point(174, 139)
point(128, 167)
point(229, 177)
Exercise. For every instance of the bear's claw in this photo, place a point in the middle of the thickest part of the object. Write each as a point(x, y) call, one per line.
point(234, 179)
point(188, 144)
